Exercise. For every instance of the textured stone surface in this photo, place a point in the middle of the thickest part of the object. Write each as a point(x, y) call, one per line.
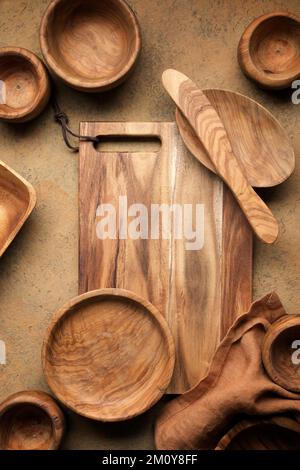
point(39, 271)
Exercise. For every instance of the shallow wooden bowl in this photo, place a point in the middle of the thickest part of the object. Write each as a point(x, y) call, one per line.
point(17, 200)
point(280, 350)
point(24, 85)
point(259, 141)
point(276, 433)
point(108, 355)
point(269, 50)
point(92, 45)
point(30, 420)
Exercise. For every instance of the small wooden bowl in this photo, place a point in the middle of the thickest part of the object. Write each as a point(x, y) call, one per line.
point(24, 85)
point(108, 355)
point(17, 200)
point(276, 433)
point(278, 349)
point(269, 50)
point(91, 45)
point(30, 421)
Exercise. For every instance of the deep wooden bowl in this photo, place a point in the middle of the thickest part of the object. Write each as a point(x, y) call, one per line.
point(108, 355)
point(17, 200)
point(279, 348)
point(276, 433)
point(269, 50)
point(91, 45)
point(30, 420)
point(24, 85)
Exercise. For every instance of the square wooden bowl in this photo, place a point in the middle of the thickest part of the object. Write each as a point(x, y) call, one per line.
point(17, 200)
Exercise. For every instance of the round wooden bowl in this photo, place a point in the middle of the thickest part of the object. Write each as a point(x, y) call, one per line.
point(108, 355)
point(269, 50)
point(30, 420)
point(92, 45)
point(278, 349)
point(276, 433)
point(24, 85)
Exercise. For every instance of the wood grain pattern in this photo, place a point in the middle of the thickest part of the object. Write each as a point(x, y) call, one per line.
point(209, 129)
point(108, 355)
point(275, 433)
point(278, 349)
point(31, 420)
point(17, 200)
point(259, 142)
point(269, 50)
point(92, 46)
point(198, 292)
point(24, 85)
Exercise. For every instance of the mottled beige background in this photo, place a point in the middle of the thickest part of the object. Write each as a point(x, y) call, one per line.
point(39, 271)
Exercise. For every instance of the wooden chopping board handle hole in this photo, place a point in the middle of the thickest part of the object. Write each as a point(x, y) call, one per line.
point(130, 143)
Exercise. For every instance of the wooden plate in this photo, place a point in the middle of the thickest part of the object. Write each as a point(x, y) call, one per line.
point(17, 200)
point(30, 420)
point(108, 355)
point(281, 343)
point(275, 433)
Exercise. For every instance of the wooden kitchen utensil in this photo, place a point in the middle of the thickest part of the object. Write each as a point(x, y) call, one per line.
point(269, 50)
point(275, 433)
point(108, 355)
point(92, 46)
point(280, 356)
point(210, 130)
point(17, 200)
point(24, 85)
point(30, 420)
point(200, 292)
point(259, 142)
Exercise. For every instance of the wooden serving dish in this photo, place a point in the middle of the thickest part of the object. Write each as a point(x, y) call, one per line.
point(91, 45)
point(108, 355)
point(30, 420)
point(17, 200)
point(276, 433)
point(259, 141)
point(269, 50)
point(24, 85)
point(280, 346)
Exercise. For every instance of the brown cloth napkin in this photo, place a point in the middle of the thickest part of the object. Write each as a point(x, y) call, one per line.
point(237, 384)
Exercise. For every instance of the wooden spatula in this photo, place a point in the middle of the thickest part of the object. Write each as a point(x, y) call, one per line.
point(208, 127)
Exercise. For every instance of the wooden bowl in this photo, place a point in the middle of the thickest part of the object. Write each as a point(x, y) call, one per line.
point(108, 355)
point(17, 200)
point(259, 142)
point(30, 421)
point(24, 85)
point(269, 50)
point(276, 433)
point(278, 350)
point(91, 45)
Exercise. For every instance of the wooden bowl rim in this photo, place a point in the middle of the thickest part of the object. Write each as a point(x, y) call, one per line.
point(277, 420)
point(42, 81)
point(46, 403)
point(284, 323)
point(121, 294)
point(276, 81)
point(31, 205)
point(271, 116)
point(81, 83)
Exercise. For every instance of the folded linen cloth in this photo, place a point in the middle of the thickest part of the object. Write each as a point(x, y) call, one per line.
point(237, 384)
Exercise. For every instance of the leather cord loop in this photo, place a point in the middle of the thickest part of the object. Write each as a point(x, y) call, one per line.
point(62, 118)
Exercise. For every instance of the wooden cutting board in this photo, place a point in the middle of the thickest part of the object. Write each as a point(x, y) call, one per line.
point(199, 292)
